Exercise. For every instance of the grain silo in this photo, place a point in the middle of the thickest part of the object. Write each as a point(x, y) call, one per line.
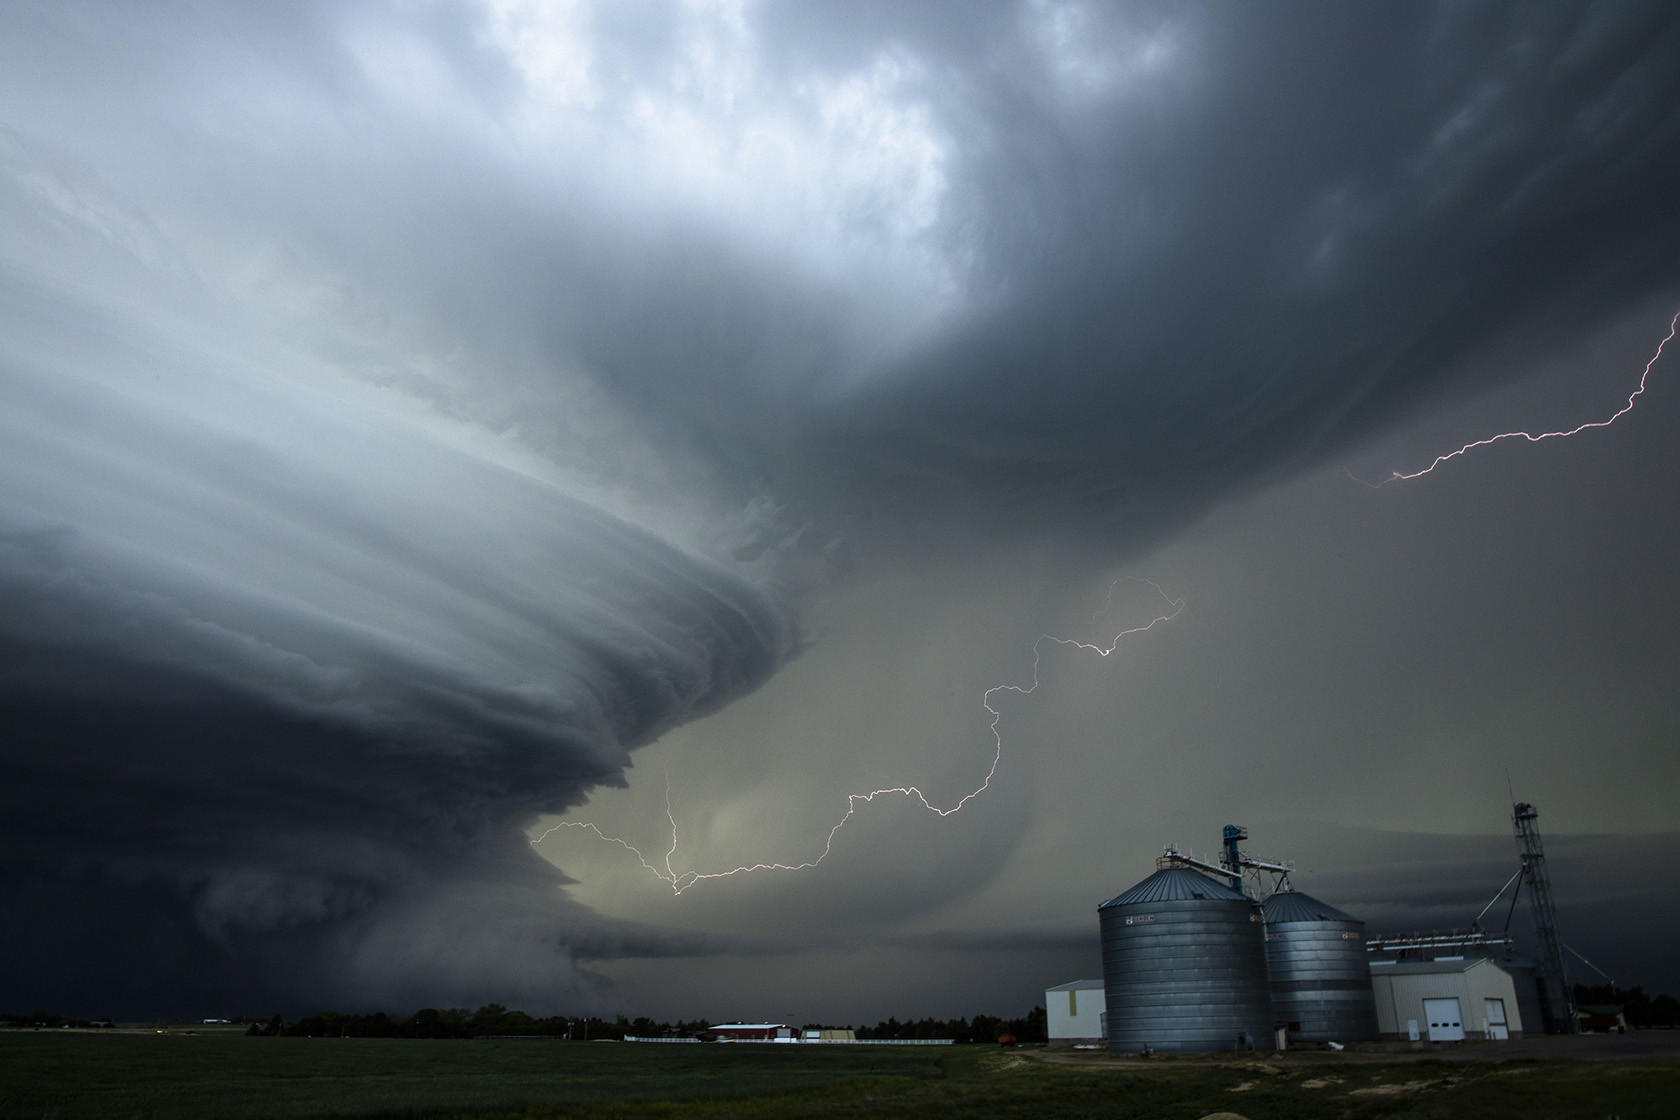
point(1320, 974)
point(1184, 967)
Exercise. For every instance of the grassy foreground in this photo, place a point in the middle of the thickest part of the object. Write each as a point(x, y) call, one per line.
point(172, 1077)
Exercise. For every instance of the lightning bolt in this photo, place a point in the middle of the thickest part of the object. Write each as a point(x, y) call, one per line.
point(681, 881)
point(1531, 437)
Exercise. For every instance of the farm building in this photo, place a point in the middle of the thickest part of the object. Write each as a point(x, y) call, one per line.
point(1201, 956)
point(1076, 1014)
point(753, 1032)
point(1448, 999)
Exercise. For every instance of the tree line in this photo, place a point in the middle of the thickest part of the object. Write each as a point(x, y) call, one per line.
point(493, 1020)
point(1639, 1009)
point(1031, 1027)
point(490, 1021)
point(35, 1019)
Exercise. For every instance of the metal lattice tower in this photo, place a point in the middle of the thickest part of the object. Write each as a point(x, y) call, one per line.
point(1557, 997)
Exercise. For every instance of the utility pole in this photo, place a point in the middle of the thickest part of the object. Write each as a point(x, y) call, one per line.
point(1557, 997)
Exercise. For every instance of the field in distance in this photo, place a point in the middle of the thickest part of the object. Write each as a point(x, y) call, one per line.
point(70, 1076)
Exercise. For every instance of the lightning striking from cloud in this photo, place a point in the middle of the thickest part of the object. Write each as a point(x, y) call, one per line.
point(681, 881)
point(1532, 437)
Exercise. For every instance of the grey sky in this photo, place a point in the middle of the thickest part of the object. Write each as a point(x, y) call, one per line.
point(412, 410)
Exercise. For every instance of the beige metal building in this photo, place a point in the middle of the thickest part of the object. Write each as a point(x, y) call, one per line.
point(1075, 1014)
point(1448, 999)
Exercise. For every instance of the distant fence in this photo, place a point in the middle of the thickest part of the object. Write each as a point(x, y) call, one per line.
point(853, 1041)
point(813, 1041)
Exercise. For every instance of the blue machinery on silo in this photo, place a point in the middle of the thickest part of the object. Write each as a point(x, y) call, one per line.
point(1232, 861)
point(1192, 963)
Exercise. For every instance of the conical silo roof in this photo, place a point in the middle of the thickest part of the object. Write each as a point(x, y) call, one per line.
point(1293, 906)
point(1174, 884)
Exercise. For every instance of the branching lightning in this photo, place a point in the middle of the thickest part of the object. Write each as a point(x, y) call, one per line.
point(681, 881)
point(1532, 437)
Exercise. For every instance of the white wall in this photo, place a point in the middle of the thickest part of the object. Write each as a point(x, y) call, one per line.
point(1075, 1014)
point(1400, 997)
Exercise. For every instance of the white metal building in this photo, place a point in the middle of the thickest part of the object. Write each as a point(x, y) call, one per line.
point(753, 1032)
point(1076, 1013)
point(1448, 999)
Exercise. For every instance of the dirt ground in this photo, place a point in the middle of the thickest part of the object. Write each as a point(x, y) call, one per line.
point(1659, 1045)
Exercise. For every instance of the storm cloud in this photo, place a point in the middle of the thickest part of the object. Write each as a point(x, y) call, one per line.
point(412, 410)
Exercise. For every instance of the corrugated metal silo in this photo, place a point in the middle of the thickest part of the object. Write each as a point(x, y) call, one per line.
point(1184, 967)
point(1320, 972)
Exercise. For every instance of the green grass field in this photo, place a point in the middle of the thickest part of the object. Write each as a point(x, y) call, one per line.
point(177, 1077)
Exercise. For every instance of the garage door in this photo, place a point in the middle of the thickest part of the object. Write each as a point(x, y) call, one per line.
point(1446, 1024)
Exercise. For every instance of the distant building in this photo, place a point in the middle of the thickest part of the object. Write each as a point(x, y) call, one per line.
point(1604, 1017)
point(1077, 1014)
point(752, 1032)
point(829, 1034)
point(1448, 999)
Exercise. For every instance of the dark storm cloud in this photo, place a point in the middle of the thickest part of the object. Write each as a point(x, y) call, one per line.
point(995, 940)
point(408, 412)
point(1141, 254)
point(283, 769)
point(1284, 227)
point(286, 668)
point(1107, 260)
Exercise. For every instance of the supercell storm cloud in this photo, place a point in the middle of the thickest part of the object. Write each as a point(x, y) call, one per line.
point(407, 411)
point(278, 649)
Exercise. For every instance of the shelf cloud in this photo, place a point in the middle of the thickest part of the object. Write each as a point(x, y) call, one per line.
point(409, 411)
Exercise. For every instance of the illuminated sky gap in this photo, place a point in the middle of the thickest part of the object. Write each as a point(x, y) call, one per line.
point(1398, 476)
point(680, 882)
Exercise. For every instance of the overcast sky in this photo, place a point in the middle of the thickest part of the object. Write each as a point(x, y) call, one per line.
point(425, 424)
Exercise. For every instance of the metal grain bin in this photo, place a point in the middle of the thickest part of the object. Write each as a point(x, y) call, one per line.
point(1320, 972)
point(1184, 967)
